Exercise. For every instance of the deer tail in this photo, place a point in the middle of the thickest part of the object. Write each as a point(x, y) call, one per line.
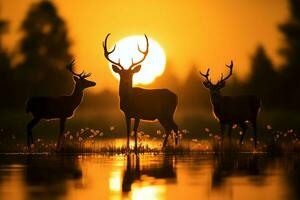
point(27, 108)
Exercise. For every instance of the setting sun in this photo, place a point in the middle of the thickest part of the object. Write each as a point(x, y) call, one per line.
point(153, 65)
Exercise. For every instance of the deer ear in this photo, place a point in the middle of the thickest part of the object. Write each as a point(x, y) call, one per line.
point(75, 79)
point(136, 69)
point(116, 69)
point(221, 84)
point(206, 84)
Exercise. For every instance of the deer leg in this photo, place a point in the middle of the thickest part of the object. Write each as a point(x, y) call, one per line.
point(127, 130)
point(175, 129)
point(222, 126)
point(136, 125)
point(30, 125)
point(229, 133)
point(254, 132)
point(61, 130)
point(166, 126)
point(243, 125)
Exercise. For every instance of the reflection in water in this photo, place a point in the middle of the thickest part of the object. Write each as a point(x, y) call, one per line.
point(40, 177)
point(149, 179)
point(224, 176)
point(235, 165)
point(50, 175)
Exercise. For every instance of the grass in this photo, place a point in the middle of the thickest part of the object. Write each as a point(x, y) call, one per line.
point(88, 140)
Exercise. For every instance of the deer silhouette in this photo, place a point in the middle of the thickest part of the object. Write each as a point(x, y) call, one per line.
point(61, 107)
point(143, 104)
point(231, 110)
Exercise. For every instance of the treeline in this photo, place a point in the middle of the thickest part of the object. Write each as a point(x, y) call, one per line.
point(43, 52)
point(40, 58)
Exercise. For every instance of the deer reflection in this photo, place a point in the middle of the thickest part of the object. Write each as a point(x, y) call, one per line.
point(134, 171)
point(226, 166)
point(50, 175)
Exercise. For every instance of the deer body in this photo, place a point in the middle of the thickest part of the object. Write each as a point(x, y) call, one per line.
point(143, 104)
point(54, 107)
point(230, 110)
point(61, 107)
point(149, 104)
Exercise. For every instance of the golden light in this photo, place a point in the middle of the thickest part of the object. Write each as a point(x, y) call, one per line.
point(152, 66)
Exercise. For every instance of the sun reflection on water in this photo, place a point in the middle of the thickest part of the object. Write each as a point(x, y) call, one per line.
point(146, 192)
point(115, 181)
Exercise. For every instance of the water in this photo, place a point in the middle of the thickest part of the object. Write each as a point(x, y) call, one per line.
point(243, 176)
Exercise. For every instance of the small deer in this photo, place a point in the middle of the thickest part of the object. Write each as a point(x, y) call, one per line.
point(143, 104)
point(61, 107)
point(230, 110)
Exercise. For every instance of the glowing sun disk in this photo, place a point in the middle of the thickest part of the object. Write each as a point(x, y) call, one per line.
point(152, 66)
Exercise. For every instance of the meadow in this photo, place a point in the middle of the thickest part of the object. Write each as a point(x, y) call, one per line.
point(103, 131)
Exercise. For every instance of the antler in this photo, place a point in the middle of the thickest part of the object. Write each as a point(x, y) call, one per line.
point(107, 53)
point(206, 75)
point(230, 72)
point(145, 53)
point(81, 75)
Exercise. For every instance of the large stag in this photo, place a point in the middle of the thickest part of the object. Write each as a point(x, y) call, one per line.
point(231, 110)
point(61, 107)
point(143, 104)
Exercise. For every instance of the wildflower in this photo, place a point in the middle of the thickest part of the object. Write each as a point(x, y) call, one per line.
point(234, 126)
point(241, 132)
point(251, 139)
point(269, 127)
point(132, 133)
point(111, 128)
point(101, 133)
point(71, 137)
point(210, 135)
point(38, 140)
point(158, 132)
point(80, 139)
point(194, 140)
point(207, 130)
point(81, 131)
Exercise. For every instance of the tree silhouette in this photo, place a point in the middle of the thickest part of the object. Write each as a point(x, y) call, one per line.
point(6, 71)
point(167, 80)
point(290, 83)
point(45, 51)
point(193, 93)
point(263, 79)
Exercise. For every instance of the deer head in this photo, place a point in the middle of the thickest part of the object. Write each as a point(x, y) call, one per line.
point(215, 88)
point(125, 74)
point(80, 79)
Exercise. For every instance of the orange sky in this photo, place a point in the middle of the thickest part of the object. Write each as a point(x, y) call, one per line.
point(201, 32)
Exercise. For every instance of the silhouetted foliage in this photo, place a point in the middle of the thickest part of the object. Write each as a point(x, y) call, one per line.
point(193, 94)
point(262, 80)
point(6, 71)
point(290, 82)
point(167, 80)
point(45, 51)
